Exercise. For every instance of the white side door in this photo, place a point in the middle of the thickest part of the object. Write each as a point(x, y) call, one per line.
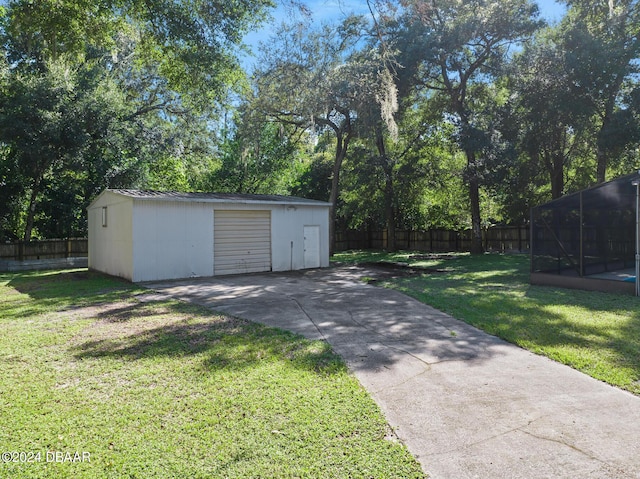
point(312, 246)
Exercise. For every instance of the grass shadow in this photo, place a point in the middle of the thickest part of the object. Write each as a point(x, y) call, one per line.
point(223, 342)
point(53, 290)
point(596, 333)
point(129, 329)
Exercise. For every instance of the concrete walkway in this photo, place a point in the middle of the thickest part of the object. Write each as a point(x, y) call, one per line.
point(466, 404)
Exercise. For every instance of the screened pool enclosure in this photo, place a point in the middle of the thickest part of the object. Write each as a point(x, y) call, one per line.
point(588, 240)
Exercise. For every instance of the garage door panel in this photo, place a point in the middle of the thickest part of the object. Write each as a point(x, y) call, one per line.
point(250, 225)
point(239, 247)
point(239, 235)
point(245, 269)
point(251, 237)
point(252, 256)
point(242, 241)
point(230, 262)
point(245, 232)
point(259, 222)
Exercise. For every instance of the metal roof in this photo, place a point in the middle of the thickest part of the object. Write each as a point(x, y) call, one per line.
point(216, 197)
point(617, 193)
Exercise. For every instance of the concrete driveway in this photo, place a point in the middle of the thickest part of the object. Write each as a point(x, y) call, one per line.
point(466, 404)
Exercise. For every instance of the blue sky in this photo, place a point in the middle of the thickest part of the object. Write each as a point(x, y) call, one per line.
point(334, 8)
point(551, 10)
point(325, 10)
point(328, 9)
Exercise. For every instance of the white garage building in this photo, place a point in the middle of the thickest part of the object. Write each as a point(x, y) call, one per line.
point(151, 235)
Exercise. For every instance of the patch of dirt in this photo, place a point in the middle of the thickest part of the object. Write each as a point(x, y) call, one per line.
point(122, 319)
point(75, 276)
point(426, 256)
point(101, 310)
point(379, 271)
point(127, 320)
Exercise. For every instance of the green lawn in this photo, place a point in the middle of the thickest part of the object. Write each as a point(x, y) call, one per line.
point(597, 333)
point(135, 389)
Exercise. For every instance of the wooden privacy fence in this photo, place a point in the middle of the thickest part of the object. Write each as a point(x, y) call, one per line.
point(44, 249)
point(497, 238)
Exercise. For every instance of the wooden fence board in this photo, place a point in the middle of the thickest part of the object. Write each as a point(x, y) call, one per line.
point(45, 249)
point(497, 238)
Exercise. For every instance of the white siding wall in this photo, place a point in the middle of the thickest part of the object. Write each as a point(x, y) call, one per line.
point(172, 240)
point(111, 247)
point(154, 240)
point(287, 228)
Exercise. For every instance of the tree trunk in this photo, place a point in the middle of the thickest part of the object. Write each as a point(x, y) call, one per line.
point(342, 143)
point(556, 173)
point(601, 155)
point(476, 227)
point(553, 159)
point(391, 217)
point(471, 174)
point(601, 169)
point(474, 200)
point(389, 211)
point(31, 212)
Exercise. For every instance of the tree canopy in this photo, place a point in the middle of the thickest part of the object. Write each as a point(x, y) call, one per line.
point(419, 114)
point(94, 93)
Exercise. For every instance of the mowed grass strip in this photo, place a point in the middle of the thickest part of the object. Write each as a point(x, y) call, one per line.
point(164, 389)
point(596, 333)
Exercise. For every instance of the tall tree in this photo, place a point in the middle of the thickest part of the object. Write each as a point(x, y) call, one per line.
point(464, 42)
point(602, 45)
point(256, 156)
point(313, 79)
point(548, 116)
point(48, 122)
point(191, 44)
point(92, 89)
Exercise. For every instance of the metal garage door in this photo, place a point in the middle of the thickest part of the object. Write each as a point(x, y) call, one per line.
point(242, 241)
